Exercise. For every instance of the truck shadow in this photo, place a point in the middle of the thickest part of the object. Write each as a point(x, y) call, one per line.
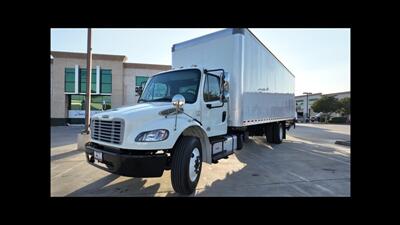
point(265, 171)
point(65, 154)
point(263, 175)
point(126, 188)
point(63, 135)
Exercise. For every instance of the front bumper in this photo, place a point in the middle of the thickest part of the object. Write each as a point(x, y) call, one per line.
point(125, 164)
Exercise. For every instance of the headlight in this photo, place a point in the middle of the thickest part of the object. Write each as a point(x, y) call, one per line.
point(153, 135)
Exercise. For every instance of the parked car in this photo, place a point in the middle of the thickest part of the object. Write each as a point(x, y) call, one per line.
point(318, 117)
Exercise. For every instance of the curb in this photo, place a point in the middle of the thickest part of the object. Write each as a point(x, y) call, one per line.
point(346, 143)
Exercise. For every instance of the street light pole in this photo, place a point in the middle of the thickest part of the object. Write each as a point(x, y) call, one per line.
point(88, 80)
point(307, 110)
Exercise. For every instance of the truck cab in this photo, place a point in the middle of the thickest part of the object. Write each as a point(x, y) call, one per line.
point(177, 115)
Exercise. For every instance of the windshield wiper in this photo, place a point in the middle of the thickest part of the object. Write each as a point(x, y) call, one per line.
point(164, 99)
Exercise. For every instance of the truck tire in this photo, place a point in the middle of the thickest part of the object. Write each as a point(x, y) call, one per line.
point(246, 137)
point(186, 165)
point(269, 132)
point(239, 142)
point(278, 133)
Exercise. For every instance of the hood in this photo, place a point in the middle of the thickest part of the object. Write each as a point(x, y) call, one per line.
point(140, 112)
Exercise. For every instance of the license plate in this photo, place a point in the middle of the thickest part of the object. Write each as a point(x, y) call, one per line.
point(98, 156)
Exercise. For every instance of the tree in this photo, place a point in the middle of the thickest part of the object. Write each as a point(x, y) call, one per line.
point(344, 106)
point(326, 105)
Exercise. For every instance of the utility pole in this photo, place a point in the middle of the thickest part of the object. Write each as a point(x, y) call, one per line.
point(307, 110)
point(88, 80)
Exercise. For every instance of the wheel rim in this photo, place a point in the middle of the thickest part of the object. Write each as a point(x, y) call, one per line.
point(280, 132)
point(194, 164)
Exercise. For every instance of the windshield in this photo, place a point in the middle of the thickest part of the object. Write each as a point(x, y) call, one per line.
point(163, 87)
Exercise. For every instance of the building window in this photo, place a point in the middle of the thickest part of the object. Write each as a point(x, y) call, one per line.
point(299, 105)
point(77, 102)
point(311, 101)
point(140, 83)
point(98, 102)
point(69, 80)
point(141, 80)
point(212, 89)
point(82, 83)
point(105, 81)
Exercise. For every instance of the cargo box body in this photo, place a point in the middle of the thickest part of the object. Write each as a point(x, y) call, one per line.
point(261, 88)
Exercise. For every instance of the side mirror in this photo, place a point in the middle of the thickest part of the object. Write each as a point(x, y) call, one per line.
point(178, 101)
point(139, 91)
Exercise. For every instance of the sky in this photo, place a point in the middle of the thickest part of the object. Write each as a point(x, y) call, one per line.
point(319, 58)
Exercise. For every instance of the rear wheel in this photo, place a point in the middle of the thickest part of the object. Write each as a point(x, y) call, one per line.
point(186, 165)
point(240, 140)
point(278, 133)
point(269, 131)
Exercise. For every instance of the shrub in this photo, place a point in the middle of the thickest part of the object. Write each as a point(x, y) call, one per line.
point(341, 119)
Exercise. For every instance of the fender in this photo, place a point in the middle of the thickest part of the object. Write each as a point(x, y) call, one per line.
point(199, 132)
point(188, 127)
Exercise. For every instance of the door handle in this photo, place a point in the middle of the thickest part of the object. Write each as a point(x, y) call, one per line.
point(211, 107)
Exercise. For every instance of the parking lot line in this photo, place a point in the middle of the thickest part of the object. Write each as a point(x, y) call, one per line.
point(298, 176)
point(324, 189)
point(300, 190)
point(66, 171)
point(322, 156)
point(313, 152)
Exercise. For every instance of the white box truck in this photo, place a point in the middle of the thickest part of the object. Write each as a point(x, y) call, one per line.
point(223, 87)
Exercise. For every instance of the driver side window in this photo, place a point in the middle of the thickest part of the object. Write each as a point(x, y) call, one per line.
point(212, 88)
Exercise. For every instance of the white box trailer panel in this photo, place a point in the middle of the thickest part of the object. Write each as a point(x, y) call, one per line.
point(261, 87)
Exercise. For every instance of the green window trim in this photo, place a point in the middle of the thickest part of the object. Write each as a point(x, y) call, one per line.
point(140, 80)
point(105, 81)
point(69, 80)
point(82, 80)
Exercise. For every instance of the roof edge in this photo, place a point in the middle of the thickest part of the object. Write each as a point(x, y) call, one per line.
point(79, 55)
point(147, 66)
point(329, 94)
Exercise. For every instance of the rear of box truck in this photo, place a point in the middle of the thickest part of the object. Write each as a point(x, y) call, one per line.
point(268, 86)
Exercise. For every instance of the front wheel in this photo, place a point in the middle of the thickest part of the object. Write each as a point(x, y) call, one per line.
point(186, 165)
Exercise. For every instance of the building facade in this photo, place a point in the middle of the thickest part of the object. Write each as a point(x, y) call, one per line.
point(114, 83)
point(301, 102)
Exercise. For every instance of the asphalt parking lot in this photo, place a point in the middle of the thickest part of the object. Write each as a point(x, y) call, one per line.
point(307, 163)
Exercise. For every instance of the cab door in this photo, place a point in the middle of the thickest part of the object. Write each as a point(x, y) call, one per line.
point(214, 111)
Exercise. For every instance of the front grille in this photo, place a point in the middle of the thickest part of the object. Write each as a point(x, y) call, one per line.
point(110, 131)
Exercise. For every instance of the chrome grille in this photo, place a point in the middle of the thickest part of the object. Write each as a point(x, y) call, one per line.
point(110, 131)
